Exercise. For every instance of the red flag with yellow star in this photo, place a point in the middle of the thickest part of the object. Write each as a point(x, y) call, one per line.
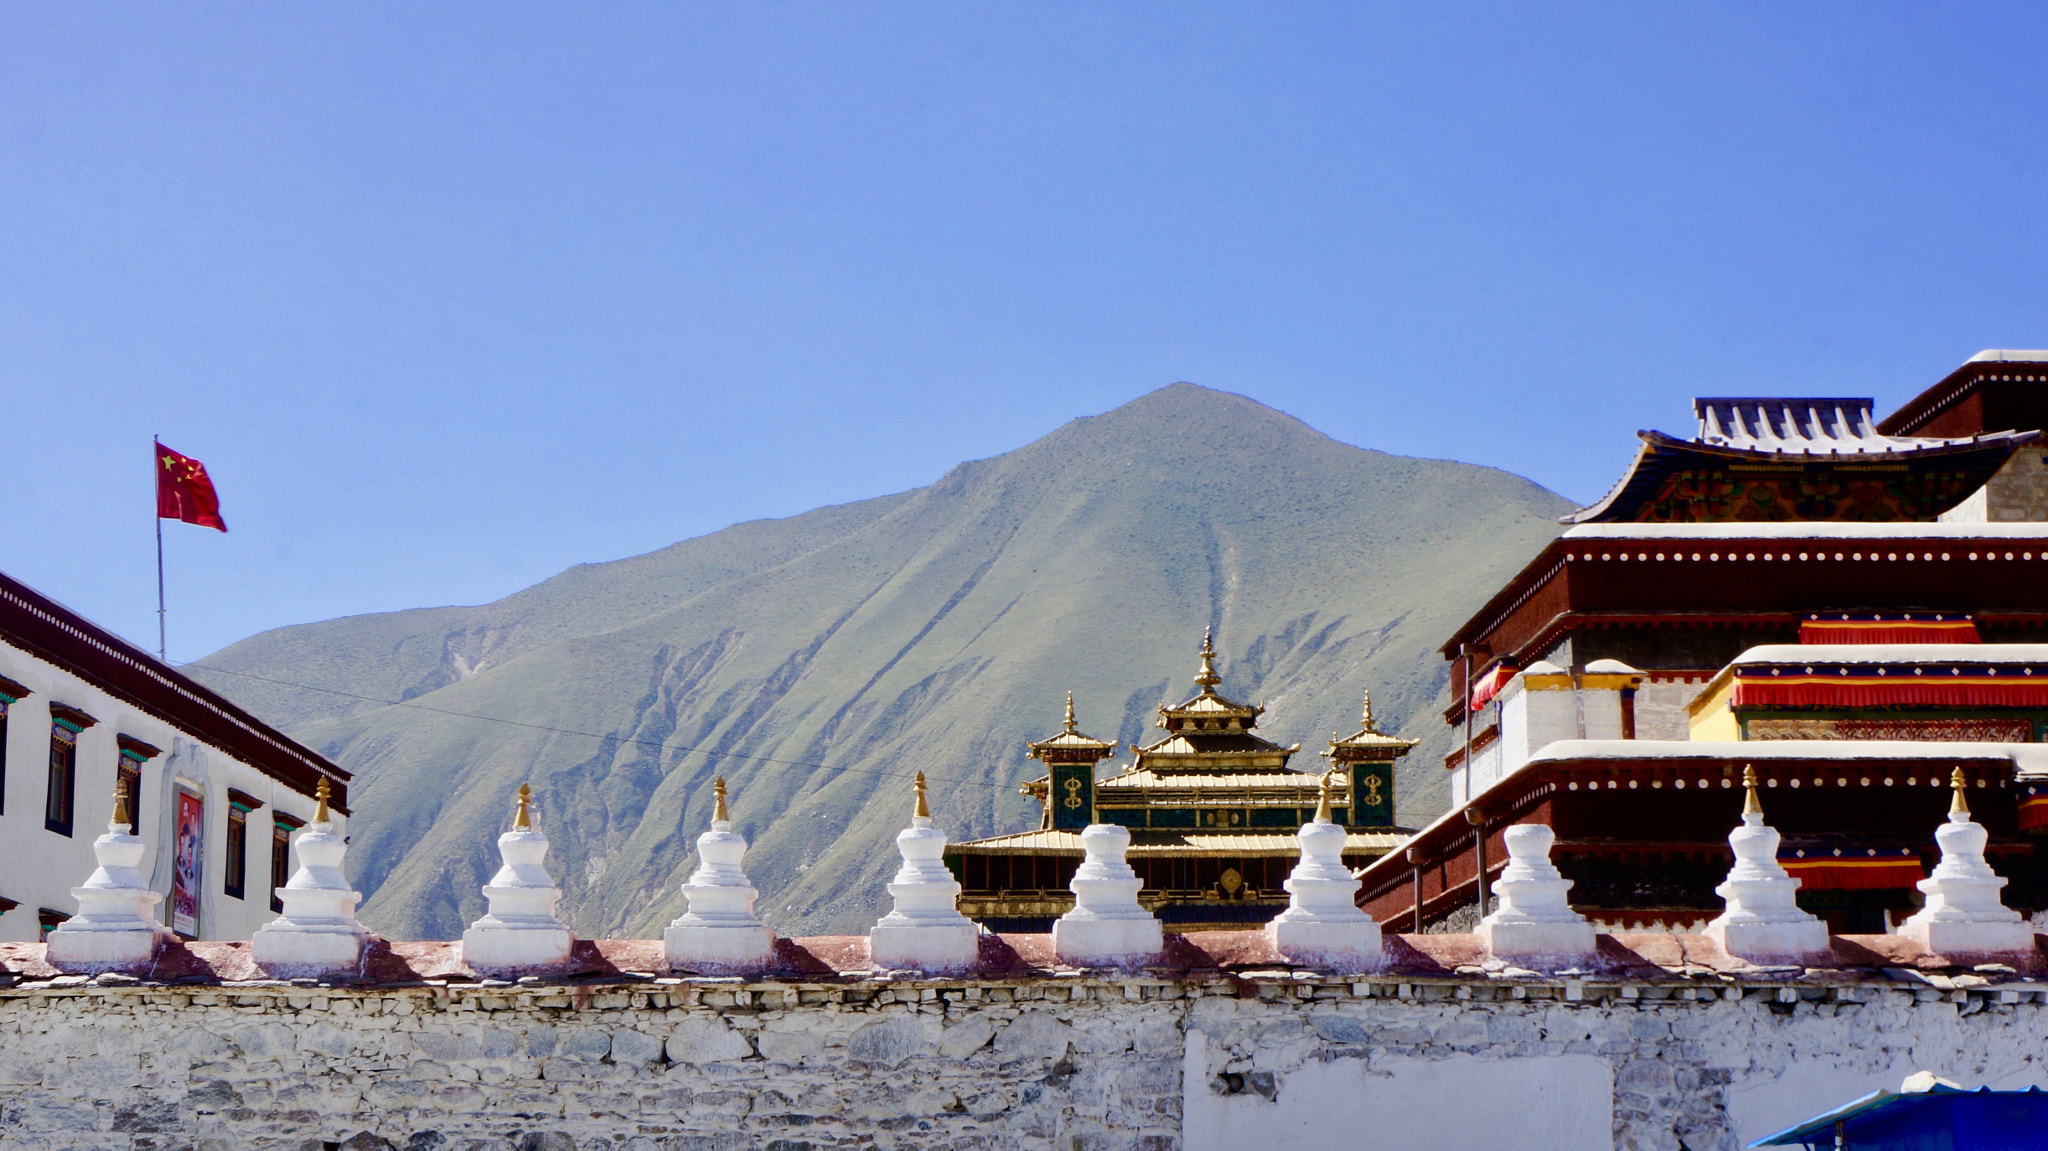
point(184, 492)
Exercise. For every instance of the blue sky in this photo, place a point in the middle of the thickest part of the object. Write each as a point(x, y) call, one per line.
point(452, 296)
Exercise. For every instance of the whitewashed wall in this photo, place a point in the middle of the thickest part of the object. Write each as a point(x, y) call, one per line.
point(1144, 1064)
point(38, 867)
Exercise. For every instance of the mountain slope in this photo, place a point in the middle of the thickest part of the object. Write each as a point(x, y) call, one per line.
point(816, 662)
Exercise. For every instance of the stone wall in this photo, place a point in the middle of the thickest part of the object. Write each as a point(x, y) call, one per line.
point(1073, 1062)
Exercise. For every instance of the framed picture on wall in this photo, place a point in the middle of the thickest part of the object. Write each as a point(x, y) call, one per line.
point(187, 864)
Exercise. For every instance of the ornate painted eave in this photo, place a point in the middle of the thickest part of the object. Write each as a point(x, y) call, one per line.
point(1788, 435)
point(1153, 842)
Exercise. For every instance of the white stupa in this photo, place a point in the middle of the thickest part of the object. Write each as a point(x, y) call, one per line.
point(1534, 920)
point(1762, 923)
point(114, 929)
point(520, 931)
point(318, 933)
point(1107, 927)
point(926, 931)
point(719, 932)
point(1322, 925)
point(1963, 914)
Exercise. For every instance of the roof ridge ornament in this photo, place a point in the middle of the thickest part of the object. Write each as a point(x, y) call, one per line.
point(1070, 712)
point(1208, 678)
point(1365, 716)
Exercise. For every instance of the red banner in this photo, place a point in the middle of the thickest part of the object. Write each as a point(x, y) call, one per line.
point(184, 492)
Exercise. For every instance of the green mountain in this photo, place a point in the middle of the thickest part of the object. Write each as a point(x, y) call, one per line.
point(818, 661)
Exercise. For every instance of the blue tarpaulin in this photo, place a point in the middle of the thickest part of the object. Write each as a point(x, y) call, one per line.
point(1941, 1118)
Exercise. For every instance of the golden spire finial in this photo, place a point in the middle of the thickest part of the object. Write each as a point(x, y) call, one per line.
point(718, 813)
point(1750, 805)
point(1070, 713)
point(320, 793)
point(1323, 800)
point(923, 810)
point(121, 816)
point(1208, 677)
point(523, 819)
point(1959, 807)
point(1365, 718)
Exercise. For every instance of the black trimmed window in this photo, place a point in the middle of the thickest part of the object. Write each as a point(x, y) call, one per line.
point(60, 800)
point(48, 919)
point(281, 828)
point(128, 775)
point(236, 870)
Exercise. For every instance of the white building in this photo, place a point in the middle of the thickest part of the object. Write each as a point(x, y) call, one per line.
point(214, 792)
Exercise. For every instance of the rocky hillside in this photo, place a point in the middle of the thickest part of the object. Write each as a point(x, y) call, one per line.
point(817, 661)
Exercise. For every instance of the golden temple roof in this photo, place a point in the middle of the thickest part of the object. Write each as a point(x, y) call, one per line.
point(1140, 779)
point(1369, 739)
point(1155, 842)
point(1211, 732)
point(1070, 739)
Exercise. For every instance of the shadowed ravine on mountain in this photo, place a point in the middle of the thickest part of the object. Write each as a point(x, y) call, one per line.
point(818, 661)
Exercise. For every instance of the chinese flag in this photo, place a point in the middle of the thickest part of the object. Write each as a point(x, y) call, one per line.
point(184, 492)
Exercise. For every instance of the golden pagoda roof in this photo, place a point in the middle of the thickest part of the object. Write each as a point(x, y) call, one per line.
point(1370, 736)
point(1211, 732)
point(1299, 783)
point(1071, 739)
point(1155, 842)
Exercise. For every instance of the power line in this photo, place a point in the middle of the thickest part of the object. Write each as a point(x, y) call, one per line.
point(653, 743)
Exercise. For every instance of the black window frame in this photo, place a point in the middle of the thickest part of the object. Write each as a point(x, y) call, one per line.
point(60, 803)
point(235, 855)
point(281, 828)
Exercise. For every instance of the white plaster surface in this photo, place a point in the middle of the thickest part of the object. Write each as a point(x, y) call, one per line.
point(1321, 925)
point(1106, 926)
point(1126, 1064)
point(1963, 914)
point(719, 932)
point(1534, 920)
point(318, 931)
point(113, 929)
point(520, 931)
point(925, 930)
point(1562, 1103)
point(1761, 920)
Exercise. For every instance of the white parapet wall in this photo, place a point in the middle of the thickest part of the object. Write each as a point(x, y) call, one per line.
point(1273, 1058)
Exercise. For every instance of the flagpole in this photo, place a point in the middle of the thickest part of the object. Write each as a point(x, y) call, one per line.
point(162, 649)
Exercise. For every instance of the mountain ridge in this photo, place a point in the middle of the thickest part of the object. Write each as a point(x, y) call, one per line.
point(935, 629)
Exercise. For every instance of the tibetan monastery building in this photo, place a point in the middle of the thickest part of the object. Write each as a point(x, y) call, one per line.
point(1213, 809)
point(214, 791)
point(1856, 607)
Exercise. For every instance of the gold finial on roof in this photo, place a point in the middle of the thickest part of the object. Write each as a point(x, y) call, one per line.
point(1323, 800)
point(1958, 806)
point(320, 802)
point(1750, 805)
point(121, 816)
point(718, 814)
point(1208, 677)
point(1070, 713)
point(923, 810)
point(523, 820)
point(1366, 717)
